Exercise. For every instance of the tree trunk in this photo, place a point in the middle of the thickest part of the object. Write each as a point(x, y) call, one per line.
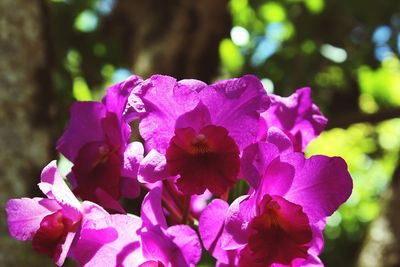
point(25, 95)
point(382, 244)
point(174, 37)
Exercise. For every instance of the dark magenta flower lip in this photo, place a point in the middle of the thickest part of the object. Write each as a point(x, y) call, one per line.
point(51, 233)
point(208, 159)
point(279, 233)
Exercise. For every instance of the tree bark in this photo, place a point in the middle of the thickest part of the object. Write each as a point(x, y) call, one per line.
point(175, 37)
point(382, 244)
point(25, 132)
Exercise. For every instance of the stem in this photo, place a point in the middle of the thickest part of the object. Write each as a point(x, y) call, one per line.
point(173, 212)
point(178, 206)
point(186, 210)
point(170, 190)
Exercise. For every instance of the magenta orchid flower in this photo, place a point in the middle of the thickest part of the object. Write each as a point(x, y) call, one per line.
point(127, 240)
point(199, 140)
point(281, 222)
point(96, 142)
point(296, 115)
point(195, 131)
point(51, 223)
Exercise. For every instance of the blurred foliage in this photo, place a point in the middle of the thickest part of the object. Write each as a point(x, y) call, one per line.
point(336, 47)
point(344, 50)
point(371, 154)
point(88, 51)
point(383, 83)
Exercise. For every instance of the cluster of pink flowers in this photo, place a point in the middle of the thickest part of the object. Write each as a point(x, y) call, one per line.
point(203, 147)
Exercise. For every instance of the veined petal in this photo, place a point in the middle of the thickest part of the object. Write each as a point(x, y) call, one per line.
point(151, 212)
point(277, 179)
point(211, 225)
point(158, 246)
point(295, 115)
point(109, 241)
point(116, 100)
point(239, 214)
point(24, 215)
point(132, 156)
point(196, 118)
point(91, 211)
point(116, 97)
point(277, 137)
point(54, 187)
point(153, 167)
point(255, 160)
point(236, 100)
point(187, 241)
point(85, 122)
point(320, 184)
point(162, 101)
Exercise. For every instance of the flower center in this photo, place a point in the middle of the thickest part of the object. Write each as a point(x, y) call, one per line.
point(280, 234)
point(52, 232)
point(200, 145)
point(208, 159)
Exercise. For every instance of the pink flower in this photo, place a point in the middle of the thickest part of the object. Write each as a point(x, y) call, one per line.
point(199, 139)
point(177, 245)
point(51, 223)
point(295, 115)
point(127, 240)
point(96, 142)
point(192, 130)
point(281, 222)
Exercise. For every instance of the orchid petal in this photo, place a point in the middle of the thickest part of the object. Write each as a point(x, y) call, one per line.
point(320, 185)
point(109, 241)
point(153, 168)
point(151, 212)
point(85, 122)
point(238, 216)
point(211, 226)
point(187, 241)
point(233, 101)
point(162, 101)
point(24, 215)
point(54, 187)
